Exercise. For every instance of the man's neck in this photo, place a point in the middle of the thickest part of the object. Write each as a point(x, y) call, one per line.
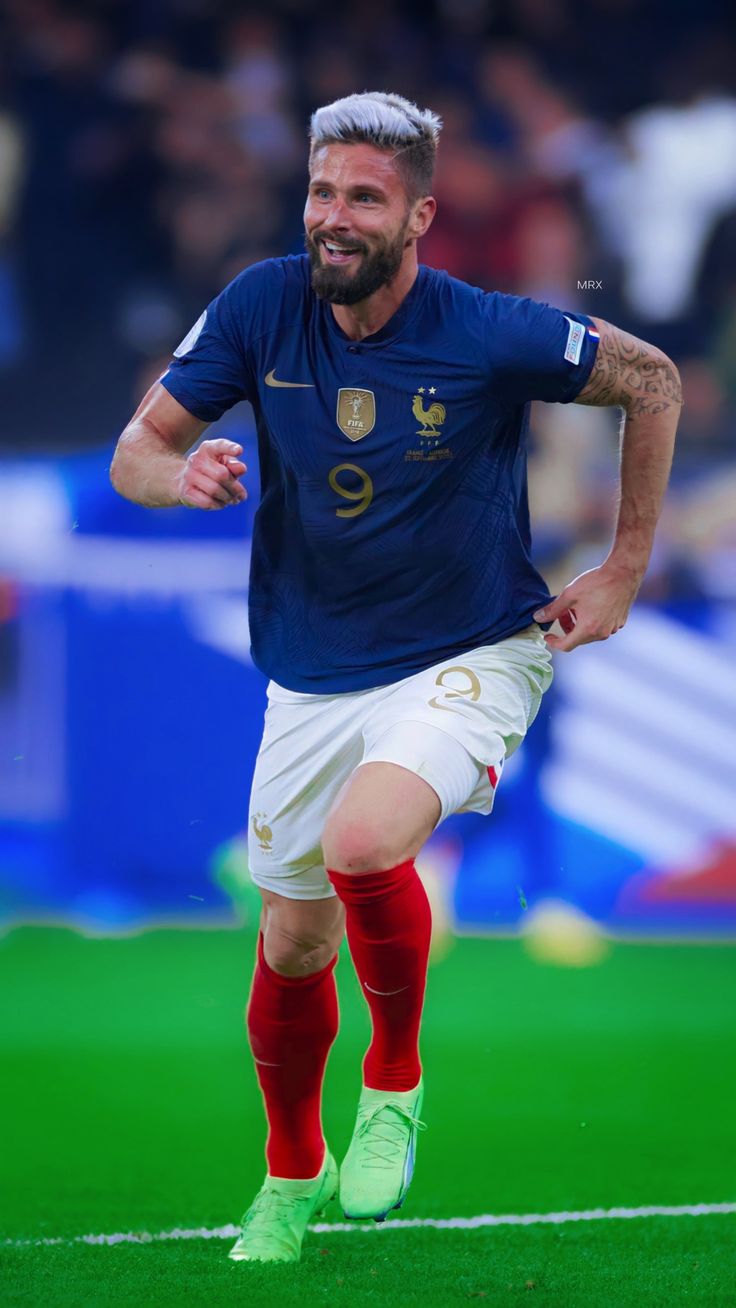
point(369, 316)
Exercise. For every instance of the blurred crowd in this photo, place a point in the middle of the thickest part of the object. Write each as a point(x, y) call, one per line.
point(150, 149)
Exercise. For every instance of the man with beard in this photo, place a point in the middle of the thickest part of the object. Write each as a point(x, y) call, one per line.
point(393, 603)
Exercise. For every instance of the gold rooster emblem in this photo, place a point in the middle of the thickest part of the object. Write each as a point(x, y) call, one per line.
point(430, 418)
point(264, 834)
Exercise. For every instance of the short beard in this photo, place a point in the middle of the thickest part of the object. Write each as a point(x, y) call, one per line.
point(375, 270)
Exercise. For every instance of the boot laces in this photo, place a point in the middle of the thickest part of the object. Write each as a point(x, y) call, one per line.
point(271, 1205)
point(383, 1136)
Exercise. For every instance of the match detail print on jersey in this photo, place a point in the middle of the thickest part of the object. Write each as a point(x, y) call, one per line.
point(356, 412)
point(271, 380)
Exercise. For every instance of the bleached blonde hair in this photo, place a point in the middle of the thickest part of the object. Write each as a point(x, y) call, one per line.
point(389, 122)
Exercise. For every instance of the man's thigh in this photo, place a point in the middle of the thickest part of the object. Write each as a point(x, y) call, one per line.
point(310, 746)
point(381, 816)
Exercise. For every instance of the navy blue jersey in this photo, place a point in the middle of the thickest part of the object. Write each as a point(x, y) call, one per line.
point(393, 527)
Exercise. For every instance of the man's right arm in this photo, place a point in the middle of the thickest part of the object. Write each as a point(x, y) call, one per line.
point(151, 465)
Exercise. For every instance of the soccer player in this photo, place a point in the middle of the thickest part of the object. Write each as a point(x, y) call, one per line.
point(393, 604)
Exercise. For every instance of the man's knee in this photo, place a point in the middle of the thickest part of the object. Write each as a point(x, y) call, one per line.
point(382, 817)
point(296, 955)
point(355, 845)
point(300, 938)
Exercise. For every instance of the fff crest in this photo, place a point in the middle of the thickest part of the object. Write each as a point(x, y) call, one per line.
point(356, 412)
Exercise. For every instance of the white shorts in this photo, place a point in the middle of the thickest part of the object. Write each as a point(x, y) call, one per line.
point(453, 724)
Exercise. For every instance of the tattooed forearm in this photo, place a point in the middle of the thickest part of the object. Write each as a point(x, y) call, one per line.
point(646, 384)
point(631, 373)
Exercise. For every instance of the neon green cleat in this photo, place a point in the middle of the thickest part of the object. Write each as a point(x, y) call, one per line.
point(275, 1223)
point(379, 1164)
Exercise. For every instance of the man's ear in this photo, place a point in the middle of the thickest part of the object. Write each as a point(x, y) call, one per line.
point(423, 212)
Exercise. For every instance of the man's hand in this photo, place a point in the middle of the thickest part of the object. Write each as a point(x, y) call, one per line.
point(593, 607)
point(151, 466)
point(209, 478)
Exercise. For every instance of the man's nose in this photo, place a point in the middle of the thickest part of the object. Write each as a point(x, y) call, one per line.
point(337, 215)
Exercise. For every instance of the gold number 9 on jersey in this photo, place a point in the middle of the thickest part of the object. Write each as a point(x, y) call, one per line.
point(363, 497)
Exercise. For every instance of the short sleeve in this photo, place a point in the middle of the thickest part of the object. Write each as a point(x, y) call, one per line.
point(537, 352)
point(209, 371)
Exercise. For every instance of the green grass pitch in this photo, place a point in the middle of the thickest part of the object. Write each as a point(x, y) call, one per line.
point(130, 1105)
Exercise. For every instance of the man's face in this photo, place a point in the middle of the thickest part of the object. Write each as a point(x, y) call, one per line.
point(355, 221)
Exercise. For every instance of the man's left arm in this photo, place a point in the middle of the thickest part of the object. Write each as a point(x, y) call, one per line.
point(646, 384)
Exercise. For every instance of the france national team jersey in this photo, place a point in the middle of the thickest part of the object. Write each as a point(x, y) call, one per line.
point(393, 527)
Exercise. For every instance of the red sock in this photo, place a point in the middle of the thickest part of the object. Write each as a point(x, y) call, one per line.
point(292, 1022)
point(389, 925)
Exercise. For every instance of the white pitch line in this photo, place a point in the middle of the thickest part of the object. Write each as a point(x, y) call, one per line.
point(394, 1224)
point(529, 1219)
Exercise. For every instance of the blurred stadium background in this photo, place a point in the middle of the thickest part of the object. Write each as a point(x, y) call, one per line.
point(148, 152)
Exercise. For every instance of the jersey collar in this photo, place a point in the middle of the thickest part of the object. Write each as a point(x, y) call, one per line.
point(396, 323)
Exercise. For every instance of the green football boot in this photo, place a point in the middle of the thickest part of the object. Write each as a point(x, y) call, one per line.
point(273, 1227)
point(379, 1164)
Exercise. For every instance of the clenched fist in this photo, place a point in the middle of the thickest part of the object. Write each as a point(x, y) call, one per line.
point(209, 478)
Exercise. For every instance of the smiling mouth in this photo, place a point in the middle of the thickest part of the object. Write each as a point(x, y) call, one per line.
point(339, 254)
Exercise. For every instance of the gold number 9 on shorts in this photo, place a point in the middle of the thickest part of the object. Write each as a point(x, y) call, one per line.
point(471, 691)
point(362, 497)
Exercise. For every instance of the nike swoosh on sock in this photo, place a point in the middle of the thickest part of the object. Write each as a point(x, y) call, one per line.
point(384, 992)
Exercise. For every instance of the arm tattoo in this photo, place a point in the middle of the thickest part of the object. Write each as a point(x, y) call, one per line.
point(631, 373)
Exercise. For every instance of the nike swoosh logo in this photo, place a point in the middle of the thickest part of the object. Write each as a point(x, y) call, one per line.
point(434, 704)
point(270, 380)
point(384, 992)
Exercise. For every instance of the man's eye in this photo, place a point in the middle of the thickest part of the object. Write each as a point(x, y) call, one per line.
point(367, 196)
